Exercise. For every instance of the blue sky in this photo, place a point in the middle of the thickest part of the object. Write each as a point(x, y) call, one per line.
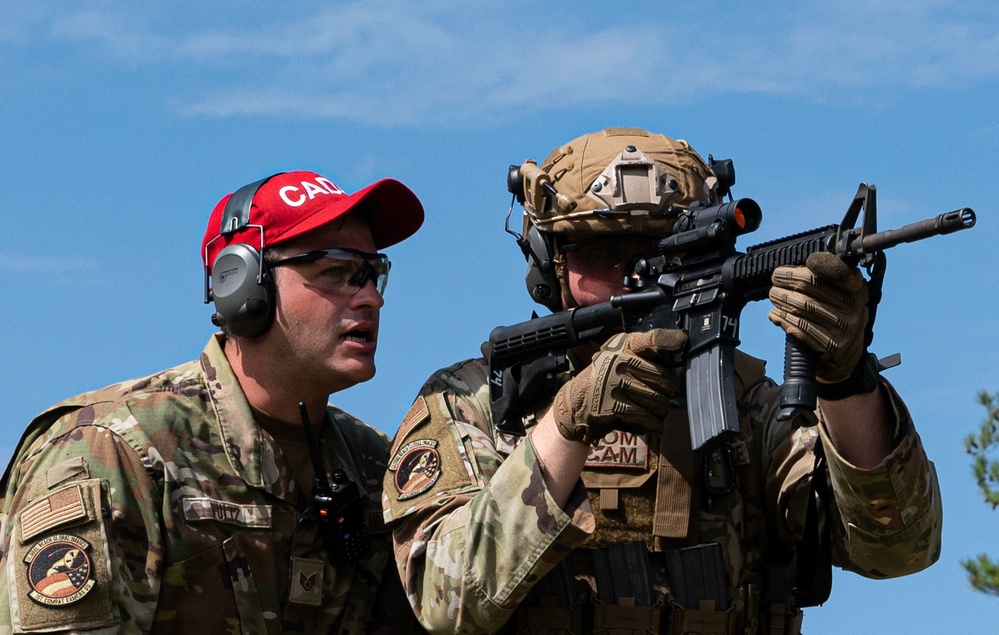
point(121, 125)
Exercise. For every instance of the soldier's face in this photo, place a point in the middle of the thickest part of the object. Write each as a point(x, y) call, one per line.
point(596, 265)
point(329, 338)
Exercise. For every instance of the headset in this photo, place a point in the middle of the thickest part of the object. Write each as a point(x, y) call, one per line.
point(538, 249)
point(242, 286)
point(542, 282)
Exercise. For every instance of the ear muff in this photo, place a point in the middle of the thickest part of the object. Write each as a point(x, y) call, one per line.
point(243, 291)
point(542, 282)
point(242, 286)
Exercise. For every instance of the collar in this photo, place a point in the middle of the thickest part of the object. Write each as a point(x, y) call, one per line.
point(252, 459)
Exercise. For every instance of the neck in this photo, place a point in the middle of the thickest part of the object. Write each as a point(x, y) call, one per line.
point(269, 386)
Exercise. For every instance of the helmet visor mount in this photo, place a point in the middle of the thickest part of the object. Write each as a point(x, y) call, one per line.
point(633, 182)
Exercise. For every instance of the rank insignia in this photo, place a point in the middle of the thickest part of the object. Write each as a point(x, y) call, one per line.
point(59, 570)
point(417, 466)
point(306, 581)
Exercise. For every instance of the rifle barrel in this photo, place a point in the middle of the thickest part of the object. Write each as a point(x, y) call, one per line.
point(946, 223)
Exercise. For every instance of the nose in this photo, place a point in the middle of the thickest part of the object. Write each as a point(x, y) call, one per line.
point(368, 295)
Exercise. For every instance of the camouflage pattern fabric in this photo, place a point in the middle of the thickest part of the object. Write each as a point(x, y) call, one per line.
point(158, 505)
point(482, 531)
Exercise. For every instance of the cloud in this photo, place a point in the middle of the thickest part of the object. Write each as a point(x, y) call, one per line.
point(63, 270)
point(403, 65)
point(400, 64)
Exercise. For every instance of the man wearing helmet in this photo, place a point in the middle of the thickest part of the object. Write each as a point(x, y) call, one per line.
point(602, 519)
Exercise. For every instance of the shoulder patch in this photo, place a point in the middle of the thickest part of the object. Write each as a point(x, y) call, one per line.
point(59, 566)
point(428, 459)
point(59, 570)
point(418, 413)
point(61, 508)
point(416, 467)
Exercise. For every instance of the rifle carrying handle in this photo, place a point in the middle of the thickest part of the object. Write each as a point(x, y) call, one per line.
point(798, 392)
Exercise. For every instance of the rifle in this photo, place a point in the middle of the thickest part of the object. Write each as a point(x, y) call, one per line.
point(700, 283)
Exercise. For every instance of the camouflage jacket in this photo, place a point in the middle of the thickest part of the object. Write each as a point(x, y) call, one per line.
point(475, 529)
point(158, 505)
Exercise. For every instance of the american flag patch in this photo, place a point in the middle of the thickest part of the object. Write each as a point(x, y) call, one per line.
point(56, 509)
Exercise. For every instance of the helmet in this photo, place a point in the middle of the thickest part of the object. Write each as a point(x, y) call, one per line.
point(616, 181)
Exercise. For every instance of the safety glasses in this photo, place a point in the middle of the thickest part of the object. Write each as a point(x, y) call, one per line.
point(344, 271)
point(608, 256)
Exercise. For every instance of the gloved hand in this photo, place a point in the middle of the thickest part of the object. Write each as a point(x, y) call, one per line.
point(626, 386)
point(823, 304)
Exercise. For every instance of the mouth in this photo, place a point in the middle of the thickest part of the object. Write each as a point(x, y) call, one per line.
point(360, 335)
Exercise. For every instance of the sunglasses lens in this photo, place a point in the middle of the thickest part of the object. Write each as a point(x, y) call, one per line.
point(344, 271)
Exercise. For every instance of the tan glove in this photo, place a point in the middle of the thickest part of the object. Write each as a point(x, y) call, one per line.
point(823, 304)
point(626, 386)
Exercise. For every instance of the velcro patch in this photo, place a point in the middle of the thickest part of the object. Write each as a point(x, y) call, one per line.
point(620, 450)
point(428, 464)
point(63, 577)
point(418, 413)
point(306, 581)
point(59, 570)
point(417, 466)
point(204, 508)
point(61, 508)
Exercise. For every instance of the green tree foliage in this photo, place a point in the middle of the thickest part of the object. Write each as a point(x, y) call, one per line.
point(983, 572)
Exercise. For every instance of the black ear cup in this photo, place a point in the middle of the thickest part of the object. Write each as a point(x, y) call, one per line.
point(243, 305)
point(542, 283)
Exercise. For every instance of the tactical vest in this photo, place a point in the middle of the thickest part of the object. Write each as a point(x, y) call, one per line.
point(674, 534)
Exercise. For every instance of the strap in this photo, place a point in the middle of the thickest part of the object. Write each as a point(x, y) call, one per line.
point(236, 214)
point(674, 507)
point(813, 575)
point(876, 273)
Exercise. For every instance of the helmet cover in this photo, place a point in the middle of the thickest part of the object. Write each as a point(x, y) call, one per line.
point(621, 181)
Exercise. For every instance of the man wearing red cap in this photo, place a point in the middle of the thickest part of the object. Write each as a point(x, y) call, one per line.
point(185, 501)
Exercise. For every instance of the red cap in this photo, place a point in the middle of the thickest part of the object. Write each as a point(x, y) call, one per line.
point(291, 204)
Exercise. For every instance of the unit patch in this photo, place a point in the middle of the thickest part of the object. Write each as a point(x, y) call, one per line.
point(417, 466)
point(619, 450)
point(59, 570)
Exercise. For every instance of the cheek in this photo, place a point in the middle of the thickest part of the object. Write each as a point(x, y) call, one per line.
point(588, 291)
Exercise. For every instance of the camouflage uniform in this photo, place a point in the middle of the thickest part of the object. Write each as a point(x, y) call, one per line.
point(481, 544)
point(158, 505)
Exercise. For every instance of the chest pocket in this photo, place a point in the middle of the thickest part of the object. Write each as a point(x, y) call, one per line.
point(642, 487)
point(228, 571)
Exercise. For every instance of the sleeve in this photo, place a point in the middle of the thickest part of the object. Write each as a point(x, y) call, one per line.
point(885, 521)
point(473, 529)
point(82, 537)
point(889, 518)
